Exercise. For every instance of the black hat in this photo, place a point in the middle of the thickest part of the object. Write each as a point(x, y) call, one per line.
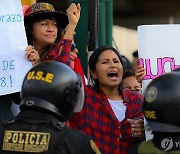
point(44, 9)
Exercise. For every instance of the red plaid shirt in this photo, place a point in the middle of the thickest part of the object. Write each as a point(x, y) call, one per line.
point(98, 120)
point(64, 56)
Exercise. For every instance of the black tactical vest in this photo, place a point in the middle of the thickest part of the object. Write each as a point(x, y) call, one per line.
point(41, 134)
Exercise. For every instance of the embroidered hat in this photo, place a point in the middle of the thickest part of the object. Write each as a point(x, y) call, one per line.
point(44, 9)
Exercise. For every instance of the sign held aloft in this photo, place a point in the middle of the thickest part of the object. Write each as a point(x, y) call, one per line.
point(13, 63)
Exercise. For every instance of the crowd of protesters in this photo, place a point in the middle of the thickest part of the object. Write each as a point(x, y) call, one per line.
point(111, 102)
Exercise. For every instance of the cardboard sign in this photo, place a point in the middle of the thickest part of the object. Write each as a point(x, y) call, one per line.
point(13, 63)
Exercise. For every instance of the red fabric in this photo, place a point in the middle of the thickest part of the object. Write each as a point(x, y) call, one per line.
point(78, 67)
point(64, 56)
point(98, 120)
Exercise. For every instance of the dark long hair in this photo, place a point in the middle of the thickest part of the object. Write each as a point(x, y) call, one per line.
point(126, 63)
point(94, 57)
point(28, 28)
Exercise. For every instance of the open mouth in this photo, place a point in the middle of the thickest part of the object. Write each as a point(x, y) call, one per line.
point(112, 75)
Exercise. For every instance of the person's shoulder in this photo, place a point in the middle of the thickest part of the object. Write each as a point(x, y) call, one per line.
point(77, 134)
point(81, 141)
point(2, 124)
point(89, 88)
point(6, 124)
point(134, 149)
point(72, 135)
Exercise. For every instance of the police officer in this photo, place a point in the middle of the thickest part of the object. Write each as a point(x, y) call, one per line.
point(51, 92)
point(161, 107)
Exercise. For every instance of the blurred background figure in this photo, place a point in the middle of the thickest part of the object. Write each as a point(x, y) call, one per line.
point(129, 81)
point(135, 60)
point(126, 63)
point(75, 63)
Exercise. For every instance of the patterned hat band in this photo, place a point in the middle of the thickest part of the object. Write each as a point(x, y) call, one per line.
point(44, 10)
point(38, 7)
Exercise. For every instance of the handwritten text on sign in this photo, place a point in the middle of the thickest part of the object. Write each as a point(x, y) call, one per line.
point(13, 63)
point(7, 69)
point(10, 18)
point(161, 62)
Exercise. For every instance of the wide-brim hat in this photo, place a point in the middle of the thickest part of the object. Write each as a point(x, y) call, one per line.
point(45, 9)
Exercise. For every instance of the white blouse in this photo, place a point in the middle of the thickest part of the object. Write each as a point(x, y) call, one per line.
point(119, 108)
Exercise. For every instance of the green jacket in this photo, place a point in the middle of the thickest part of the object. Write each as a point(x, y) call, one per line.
point(147, 147)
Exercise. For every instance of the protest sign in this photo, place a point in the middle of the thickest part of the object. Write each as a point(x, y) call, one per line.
point(159, 49)
point(159, 53)
point(13, 63)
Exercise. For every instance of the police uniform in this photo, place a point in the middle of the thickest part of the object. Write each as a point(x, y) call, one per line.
point(36, 132)
point(165, 143)
point(51, 92)
point(161, 107)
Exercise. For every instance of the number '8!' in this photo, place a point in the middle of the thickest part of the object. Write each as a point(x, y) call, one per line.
point(4, 82)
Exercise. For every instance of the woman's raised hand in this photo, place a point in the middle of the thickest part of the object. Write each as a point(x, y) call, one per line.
point(32, 55)
point(73, 13)
point(140, 73)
